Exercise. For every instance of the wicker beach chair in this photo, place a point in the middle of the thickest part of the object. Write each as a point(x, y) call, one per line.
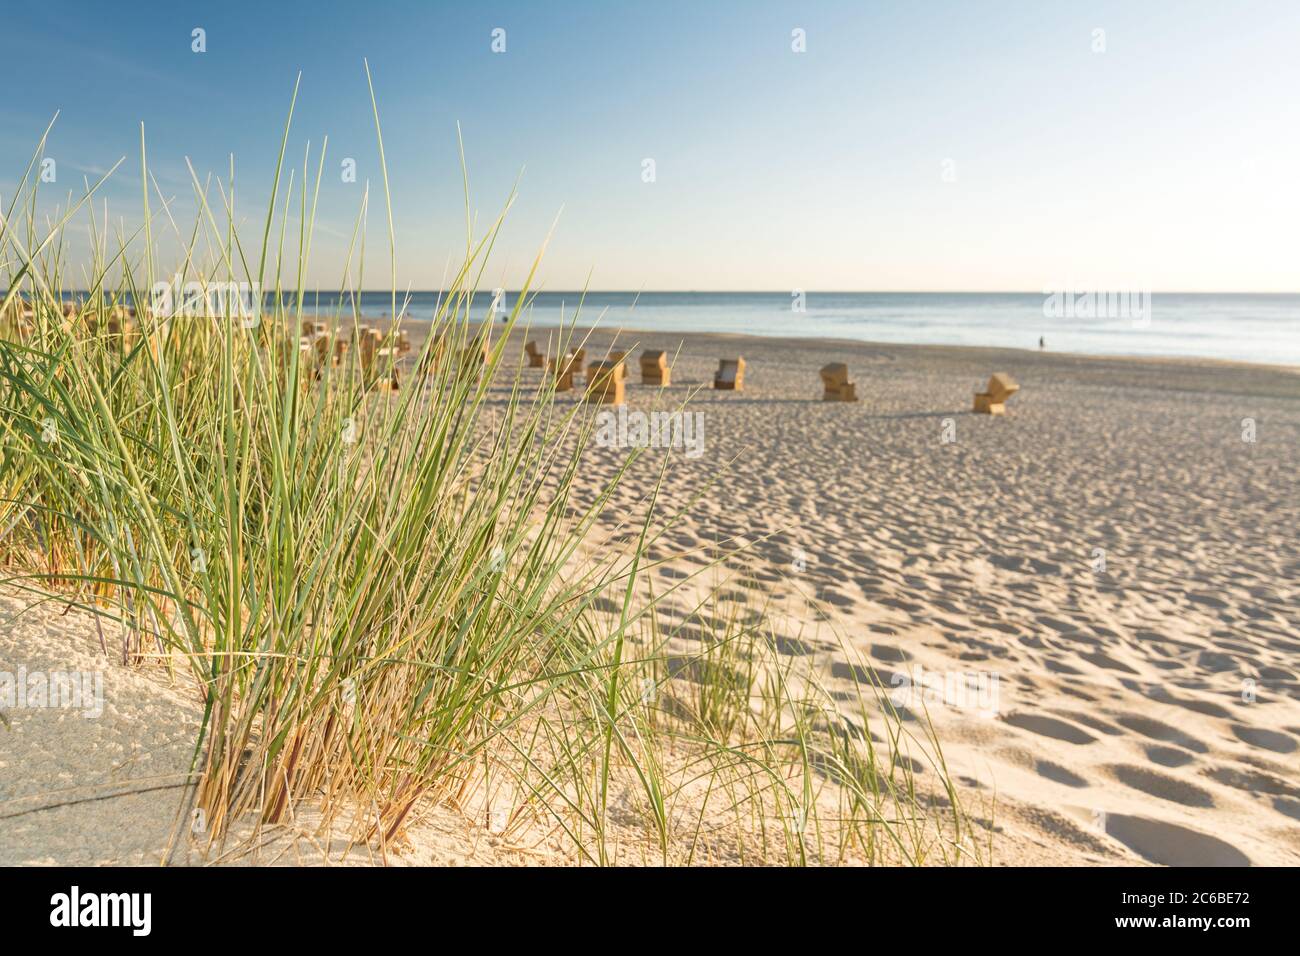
point(836, 384)
point(605, 382)
point(474, 357)
point(993, 400)
point(730, 375)
point(654, 368)
point(431, 356)
point(562, 371)
point(386, 367)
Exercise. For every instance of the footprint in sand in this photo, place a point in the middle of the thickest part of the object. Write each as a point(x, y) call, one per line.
point(1253, 780)
point(1162, 786)
point(792, 646)
point(1276, 674)
point(1287, 806)
point(1060, 667)
point(1050, 727)
point(828, 595)
point(846, 671)
point(1162, 732)
point(1169, 756)
point(1105, 661)
point(1089, 721)
point(1273, 740)
point(1205, 707)
point(1061, 627)
point(1170, 844)
point(1216, 662)
point(1058, 774)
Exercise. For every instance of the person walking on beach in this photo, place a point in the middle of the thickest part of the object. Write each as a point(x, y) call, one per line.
point(1042, 343)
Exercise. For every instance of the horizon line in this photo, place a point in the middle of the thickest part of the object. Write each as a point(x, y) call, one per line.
point(786, 292)
point(783, 292)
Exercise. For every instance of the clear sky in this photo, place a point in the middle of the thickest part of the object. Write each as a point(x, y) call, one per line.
point(914, 145)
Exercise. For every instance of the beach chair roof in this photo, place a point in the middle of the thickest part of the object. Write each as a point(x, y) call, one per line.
point(613, 368)
point(836, 373)
point(1002, 386)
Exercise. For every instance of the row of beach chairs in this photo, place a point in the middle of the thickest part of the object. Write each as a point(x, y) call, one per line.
point(118, 320)
point(378, 354)
point(606, 379)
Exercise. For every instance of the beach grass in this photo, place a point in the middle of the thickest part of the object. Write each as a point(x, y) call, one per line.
point(388, 597)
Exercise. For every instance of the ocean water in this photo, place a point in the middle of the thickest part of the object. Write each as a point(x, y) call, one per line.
point(1242, 327)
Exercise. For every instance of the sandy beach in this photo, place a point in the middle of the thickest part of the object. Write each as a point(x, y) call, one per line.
point(1093, 598)
point(1147, 711)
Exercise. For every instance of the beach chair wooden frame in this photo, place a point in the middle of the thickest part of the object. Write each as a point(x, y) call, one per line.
point(386, 361)
point(993, 400)
point(562, 370)
point(474, 357)
point(606, 382)
point(369, 343)
point(654, 368)
point(536, 359)
point(730, 375)
point(836, 386)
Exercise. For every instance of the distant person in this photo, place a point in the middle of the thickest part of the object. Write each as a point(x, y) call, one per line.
point(1042, 343)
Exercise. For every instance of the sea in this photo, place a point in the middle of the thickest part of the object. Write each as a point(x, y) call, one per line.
point(1240, 327)
point(1247, 327)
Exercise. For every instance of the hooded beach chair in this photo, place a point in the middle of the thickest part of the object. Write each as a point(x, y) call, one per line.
point(730, 375)
point(536, 359)
point(474, 356)
point(836, 384)
point(993, 400)
point(431, 356)
point(386, 359)
point(562, 371)
point(654, 368)
point(605, 382)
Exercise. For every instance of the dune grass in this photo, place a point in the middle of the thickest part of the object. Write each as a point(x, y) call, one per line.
point(383, 597)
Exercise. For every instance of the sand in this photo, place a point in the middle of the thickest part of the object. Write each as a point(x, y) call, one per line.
point(1104, 584)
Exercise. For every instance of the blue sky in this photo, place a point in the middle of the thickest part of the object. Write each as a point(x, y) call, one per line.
point(925, 145)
